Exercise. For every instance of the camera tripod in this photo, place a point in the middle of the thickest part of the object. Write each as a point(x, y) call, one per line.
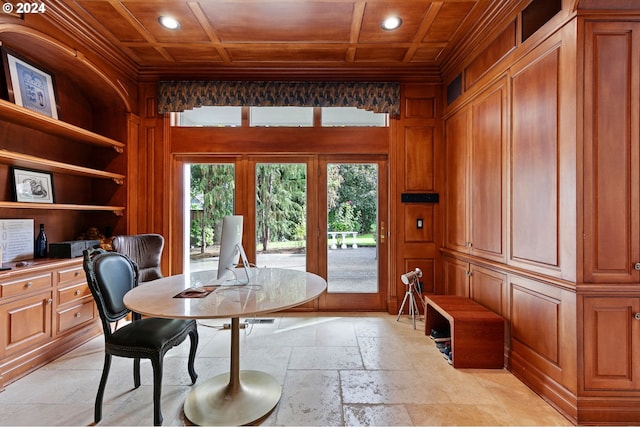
point(413, 305)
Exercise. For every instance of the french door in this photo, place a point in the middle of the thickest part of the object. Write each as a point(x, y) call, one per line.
point(353, 251)
point(323, 214)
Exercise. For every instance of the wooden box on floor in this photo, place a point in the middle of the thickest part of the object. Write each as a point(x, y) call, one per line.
point(477, 333)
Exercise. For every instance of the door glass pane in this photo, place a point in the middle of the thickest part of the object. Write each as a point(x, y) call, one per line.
point(352, 211)
point(281, 213)
point(210, 192)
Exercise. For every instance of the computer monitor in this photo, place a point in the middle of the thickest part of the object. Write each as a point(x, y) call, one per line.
point(230, 243)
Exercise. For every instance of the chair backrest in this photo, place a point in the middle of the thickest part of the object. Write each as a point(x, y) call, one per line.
point(145, 250)
point(110, 275)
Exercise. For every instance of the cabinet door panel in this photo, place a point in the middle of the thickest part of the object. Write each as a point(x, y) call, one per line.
point(456, 134)
point(612, 139)
point(487, 180)
point(456, 277)
point(534, 163)
point(611, 343)
point(489, 288)
point(26, 323)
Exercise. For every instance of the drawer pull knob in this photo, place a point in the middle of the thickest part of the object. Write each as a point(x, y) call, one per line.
point(29, 284)
point(637, 266)
point(78, 315)
point(77, 292)
point(49, 301)
point(637, 316)
point(77, 273)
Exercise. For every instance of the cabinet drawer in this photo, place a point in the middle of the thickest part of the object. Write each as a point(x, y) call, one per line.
point(71, 275)
point(26, 284)
point(73, 293)
point(75, 315)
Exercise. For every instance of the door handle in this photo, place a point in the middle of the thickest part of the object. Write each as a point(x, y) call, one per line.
point(382, 233)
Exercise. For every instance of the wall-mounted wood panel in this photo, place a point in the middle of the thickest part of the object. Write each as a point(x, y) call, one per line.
point(413, 213)
point(487, 177)
point(456, 200)
point(608, 325)
point(427, 266)
point(535, 321)
point(534, 162)
point(488, 288)
point(504, 43)
point(419, 158)
point(612, 153)
point(419, 107)
point(455, 277)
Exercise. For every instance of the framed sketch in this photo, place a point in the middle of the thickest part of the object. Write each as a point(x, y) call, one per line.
point(32, 186)
point(29, 86)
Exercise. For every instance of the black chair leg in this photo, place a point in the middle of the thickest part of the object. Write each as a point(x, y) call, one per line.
point(193, 335)
point(97, 411)
point(156, 362)
point(136, 372)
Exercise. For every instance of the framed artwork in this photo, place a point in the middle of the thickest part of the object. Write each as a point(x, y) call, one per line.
point(29, 86)
point(32, 186)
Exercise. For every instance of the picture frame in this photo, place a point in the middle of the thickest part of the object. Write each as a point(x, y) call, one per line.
point(32, 186)
point(29, 86)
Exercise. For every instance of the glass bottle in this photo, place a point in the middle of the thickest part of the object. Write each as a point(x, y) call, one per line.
point(41, 243)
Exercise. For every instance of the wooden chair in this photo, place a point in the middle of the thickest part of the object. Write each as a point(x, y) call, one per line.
point(110, 276)
point(143, 249)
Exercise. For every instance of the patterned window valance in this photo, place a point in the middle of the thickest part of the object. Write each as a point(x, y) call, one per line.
point(176, 96)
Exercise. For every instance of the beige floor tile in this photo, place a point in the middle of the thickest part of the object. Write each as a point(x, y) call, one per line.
point(335, 369)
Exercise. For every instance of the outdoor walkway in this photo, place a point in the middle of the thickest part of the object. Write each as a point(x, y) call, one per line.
point(350, 270)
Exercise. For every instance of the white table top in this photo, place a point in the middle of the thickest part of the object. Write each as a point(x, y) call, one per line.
point(270, 290)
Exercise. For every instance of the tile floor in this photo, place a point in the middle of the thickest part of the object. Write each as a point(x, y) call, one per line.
point(335, 369)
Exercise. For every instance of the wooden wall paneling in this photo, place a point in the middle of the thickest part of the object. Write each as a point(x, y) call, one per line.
point(534, 163)
point(608, 325)
point(456, 276)
point(414, 212)
point(416, 171)
point(612, 152)
point(427, 266)
point(489, 288)
point(419, 161)
point(504, 43)
point(487, 174)
point(543, 339)
point(338, 140)
point(456, 130)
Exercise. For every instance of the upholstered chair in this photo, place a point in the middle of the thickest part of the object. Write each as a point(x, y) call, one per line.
point(145, 250)
point(110, 276)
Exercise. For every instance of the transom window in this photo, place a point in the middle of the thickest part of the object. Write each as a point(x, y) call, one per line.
point(279, 117)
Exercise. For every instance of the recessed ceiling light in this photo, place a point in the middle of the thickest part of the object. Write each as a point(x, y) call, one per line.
point(391, 23)
point(169, 22)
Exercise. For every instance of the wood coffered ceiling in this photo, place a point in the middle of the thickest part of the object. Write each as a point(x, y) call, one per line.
point(307, 37)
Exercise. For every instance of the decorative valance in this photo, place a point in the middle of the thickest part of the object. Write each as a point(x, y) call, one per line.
point(379, 97)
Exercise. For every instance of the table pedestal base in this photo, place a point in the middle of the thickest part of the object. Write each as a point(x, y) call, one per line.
point(219, 401)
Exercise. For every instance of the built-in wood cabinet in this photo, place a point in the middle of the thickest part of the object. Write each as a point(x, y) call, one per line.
point(612, 153)
point(610, 290)
point(46, 307)
point(475, 141)
point(612, 343)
